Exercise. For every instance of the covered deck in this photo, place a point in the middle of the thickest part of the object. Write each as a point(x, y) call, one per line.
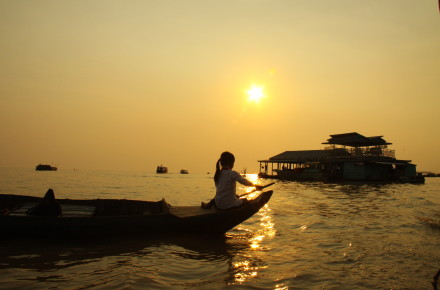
point(291, 160)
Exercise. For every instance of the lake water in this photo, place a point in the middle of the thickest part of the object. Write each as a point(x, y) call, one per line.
point(311, 235)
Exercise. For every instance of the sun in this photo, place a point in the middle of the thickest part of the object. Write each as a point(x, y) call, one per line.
point(255, 93)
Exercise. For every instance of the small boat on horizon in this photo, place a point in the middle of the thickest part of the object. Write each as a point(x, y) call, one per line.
point(161, 169)
point(184, 171)
point(45, 167)
point(81, 219)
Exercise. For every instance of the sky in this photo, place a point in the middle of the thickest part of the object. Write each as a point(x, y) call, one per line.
point(132, 84)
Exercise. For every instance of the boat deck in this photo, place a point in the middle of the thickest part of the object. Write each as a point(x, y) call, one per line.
point(69, 210)
point(19, 205)
point(186, 211)
point(81, 210)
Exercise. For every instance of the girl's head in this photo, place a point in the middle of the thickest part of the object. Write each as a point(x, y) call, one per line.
point(226, 160)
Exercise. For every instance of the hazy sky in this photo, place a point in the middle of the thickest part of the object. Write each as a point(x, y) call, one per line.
point(134, 84)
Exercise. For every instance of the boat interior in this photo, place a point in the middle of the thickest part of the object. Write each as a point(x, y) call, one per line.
point(16, 205)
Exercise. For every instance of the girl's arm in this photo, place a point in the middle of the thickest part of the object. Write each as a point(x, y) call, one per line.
point(246, 182)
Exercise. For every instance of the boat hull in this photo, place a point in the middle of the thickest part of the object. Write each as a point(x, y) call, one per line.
point(176, 220)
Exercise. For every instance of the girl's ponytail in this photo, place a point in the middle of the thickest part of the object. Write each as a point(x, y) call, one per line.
point(217, 172)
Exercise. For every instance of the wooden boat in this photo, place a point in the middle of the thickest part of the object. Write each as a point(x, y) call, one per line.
point(119, 217)
point(161, 169)
point(45, 167)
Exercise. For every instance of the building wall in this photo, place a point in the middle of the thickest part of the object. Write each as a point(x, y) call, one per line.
point(353, 171)
point(367, 171)
point(379, 171)
point(408, 170)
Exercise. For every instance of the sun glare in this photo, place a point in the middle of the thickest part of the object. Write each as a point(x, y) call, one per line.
point(255, 93)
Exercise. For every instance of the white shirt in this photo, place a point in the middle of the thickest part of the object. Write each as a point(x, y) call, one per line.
point(226, 196)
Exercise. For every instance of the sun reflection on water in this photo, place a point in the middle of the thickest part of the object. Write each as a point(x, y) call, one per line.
point(245, 271)
point(250, 191)
point(267, 228)
point(248, 267)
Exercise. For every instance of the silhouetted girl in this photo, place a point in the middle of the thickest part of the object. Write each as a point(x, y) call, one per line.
point(225, 182)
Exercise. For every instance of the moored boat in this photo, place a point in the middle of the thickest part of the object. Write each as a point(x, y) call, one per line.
point(119, 217)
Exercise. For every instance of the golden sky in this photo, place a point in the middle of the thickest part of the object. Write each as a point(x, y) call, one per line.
point(131, 84)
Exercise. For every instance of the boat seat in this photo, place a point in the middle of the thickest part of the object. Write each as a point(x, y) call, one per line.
point(21, 209)
point(112, 207)
point(77, 210)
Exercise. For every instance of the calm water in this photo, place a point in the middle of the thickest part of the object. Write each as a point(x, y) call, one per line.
point(309, 236)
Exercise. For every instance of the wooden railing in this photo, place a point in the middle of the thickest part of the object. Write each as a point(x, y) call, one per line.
point(360, 152)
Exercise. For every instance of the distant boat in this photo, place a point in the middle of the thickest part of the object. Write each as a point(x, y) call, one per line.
point(45, 167)
point(183, 171)
point(161, 169)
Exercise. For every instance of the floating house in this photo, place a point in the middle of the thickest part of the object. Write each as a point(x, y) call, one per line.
point(348, 156)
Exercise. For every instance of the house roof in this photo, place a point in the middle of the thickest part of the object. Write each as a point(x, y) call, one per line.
point(299, 156)
point(355, 140)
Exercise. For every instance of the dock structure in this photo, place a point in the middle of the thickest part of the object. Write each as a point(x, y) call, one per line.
point(348, 156)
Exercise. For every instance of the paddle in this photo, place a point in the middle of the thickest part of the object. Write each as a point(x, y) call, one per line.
point(264, 186)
